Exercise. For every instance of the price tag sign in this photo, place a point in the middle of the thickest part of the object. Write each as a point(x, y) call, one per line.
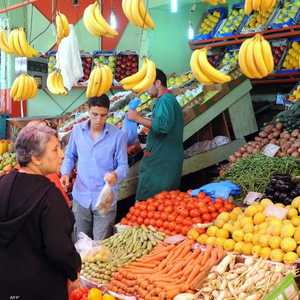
point(271, 150)
point(252, 197)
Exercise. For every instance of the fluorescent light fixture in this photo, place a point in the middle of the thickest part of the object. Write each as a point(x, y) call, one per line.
point(174, 6)
point(113, 20)
point(191, 31)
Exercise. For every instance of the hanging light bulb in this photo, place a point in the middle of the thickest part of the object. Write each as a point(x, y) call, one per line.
point(190, 31)
point(113, 20)
point(174, 6)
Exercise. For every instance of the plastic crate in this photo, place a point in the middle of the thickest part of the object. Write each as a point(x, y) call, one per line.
point(223, 14)
point(240, 27)
point(3, 120)
point(291, 21)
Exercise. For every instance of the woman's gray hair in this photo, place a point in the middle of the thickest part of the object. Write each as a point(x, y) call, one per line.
point(31, 141)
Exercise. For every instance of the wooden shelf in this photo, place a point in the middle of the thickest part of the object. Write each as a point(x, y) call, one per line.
point(271, 34)
point(278, 79)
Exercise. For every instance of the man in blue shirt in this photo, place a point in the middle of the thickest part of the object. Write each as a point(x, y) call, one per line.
point(100, 151)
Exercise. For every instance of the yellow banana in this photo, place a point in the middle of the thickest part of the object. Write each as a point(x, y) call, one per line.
point(21, 88)
point(258, 57)
point(59, 81)
point(195, 67)
point(104, 86)
point(243, 58)
point(108, 78)
point(62, 26)
point(252, 67)
point(90, 23)
point(14, 87)
point(33, 86)
point(4, 43)
point(145, 14)
point(94, 83)
point(267, 55)
point(105, 27)
point(149, 79)
point(132, 80)
point(256, 4)
point(248, 7)
point(91, 83)
point(126, 5)
point(266, 5)
point(50, 83)
point(26, 48)
point(14, 43)
point(138, 18)
point(209, 71)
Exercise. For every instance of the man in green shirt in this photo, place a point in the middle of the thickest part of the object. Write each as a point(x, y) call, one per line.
point(161, 166)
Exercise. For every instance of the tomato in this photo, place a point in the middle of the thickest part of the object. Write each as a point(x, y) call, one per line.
point(164, 216)
point(143, 214)
point(222, 209)
point(184, 212)
point(151, 207)
point(133, 218)
point(166, 224)
point(190, 204)
point(219, 200)
point(161, 207)
point(171, 217)
point(179, 219)
point(131, 210)
point(228, 206)
point(185, 229)
point(77, 294)
point(196, 220)
point(137, 212)
point(150, 214)
point(178, 228)
point(203, 210)
point(168, 202)
point(194, 213)
point(143, 206)
point(156, 215)
point(218, 205)
point(211, 208)
point(140, 220)
point(201, 195)
point(168, 209)
point(159, 223)
point(172, 226)
point(146, 221)
point(206, 218)
point(214, 215)
point(200, 230)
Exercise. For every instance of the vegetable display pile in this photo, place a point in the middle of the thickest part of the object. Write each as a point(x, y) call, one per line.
point(86, 294)
point(253, 173)
point(290, 118)
point(257, 231)
point(235, 279)
point(167, 271)
point(288, 142)
point(282, 189)
point(125, 247)
point(175, 212)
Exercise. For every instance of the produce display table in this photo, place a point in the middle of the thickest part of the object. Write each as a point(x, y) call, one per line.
point(235, 99)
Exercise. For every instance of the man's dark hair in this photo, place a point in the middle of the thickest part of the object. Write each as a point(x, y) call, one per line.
point(161, 76)
point(102, 101)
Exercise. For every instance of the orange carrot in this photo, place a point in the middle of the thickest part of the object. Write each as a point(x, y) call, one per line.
point(193, 274)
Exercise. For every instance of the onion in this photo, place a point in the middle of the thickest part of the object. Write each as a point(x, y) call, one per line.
point(292, 139)
point(242, 150)
point(279, 126)
point(263, 134)
point(276, 134)
point(290, 151)
point(245, 155)
point(249, 149)
point(232, 158)
point(256, 150)
point(295, 154)
point(295, 133)
point(268, 128)
point(238, 154)
point(257, 138)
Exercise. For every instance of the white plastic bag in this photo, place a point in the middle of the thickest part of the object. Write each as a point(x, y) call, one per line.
point(105, 199)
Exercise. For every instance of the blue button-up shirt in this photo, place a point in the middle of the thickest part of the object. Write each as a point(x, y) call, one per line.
point(95, 158)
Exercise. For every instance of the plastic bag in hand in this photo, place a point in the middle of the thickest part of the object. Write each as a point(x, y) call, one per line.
point(105, 199)
point(131, 127)
point(222, 189)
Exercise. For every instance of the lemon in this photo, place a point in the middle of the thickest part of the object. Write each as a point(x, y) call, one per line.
point(250, 211)
point(238, 247)
point(225, 216)
point(255, 239)
point(296, 221)
point(237, 210)
point(259, 207)
point(202, 238)
point(277, 255)
point(229, 245)
point(220, 241)
point(266, 202)
point(264, 240)
point(286, 222)
point(297, 235)
point(222, 233)
point(256, 250)
point(238, 235)
point(247, 248)
point(259, 218)
point(265, 252)
point(211, 240)
point(248, 228)
point(290, 258)
point(212, 230)
point(292, 212)
point(219, 223)
point(288, 244)
point(246, 220)
point(263, 227)
point(233, 216)
point(287, 230)
point(280, 205)
point(298, 251)
point(274, 242)
point(248, 237)
point(228, 227)
point(296, 202)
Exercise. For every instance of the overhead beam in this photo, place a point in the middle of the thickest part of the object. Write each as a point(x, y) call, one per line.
point(15, 6)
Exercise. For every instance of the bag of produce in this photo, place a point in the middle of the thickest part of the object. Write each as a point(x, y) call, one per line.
point(105, 199)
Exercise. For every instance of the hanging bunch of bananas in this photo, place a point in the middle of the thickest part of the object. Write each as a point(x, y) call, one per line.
point(141, 81)
point(62, 27)
point(55, 83)
point(295, 95)
point(100, 81)
point(262, 6)
point(95, 23)
point(24, 87)
point(215, 2)
point(203, 71)
point(136, 12)
point(256, 58)
point(17, 43)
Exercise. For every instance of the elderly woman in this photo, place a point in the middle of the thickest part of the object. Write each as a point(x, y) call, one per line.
point(37, 256)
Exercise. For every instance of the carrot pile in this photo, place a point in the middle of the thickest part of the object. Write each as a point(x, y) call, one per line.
point(167, 271)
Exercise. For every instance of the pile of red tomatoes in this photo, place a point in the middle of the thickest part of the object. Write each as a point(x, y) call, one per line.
point(175, 212)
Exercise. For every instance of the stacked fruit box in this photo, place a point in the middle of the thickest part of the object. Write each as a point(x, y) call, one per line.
point(290, 62)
